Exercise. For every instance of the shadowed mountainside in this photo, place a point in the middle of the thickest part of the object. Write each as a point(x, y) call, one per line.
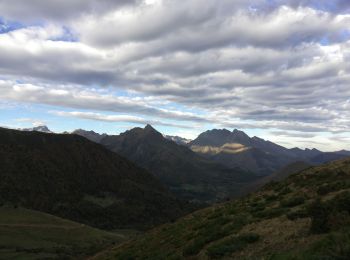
point(237, 149)
point(187, 174)
point(72, 177)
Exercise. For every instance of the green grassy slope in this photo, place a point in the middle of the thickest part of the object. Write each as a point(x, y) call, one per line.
point(28, 234)
point(307, 216)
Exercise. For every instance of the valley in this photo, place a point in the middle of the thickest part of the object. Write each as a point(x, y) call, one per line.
point(174, 130)
point(77, 195)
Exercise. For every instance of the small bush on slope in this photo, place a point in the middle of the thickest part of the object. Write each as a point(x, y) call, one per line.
point(231, 245)
point(330, 215)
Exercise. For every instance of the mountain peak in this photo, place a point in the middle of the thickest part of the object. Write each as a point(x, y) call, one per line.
point(147, 132)
point(148, 127)
point(178, 139)
point(224, 130)
point(219, 137)
point(239, 133)
point(40, 128)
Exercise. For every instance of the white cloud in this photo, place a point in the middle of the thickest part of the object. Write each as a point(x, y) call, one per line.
point(56, 10)
point(256, 64)
point(115, 118)
point(34, 122)
point(74, 97)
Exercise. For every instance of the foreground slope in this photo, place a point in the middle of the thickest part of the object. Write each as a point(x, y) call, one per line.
point(72, 177)
point(28, 234)
point(187, 174)
point(306, 216)
point(280, 175)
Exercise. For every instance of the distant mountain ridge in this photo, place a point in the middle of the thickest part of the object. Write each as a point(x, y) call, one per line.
point(41, 128)
point(187, 174)
point(91, 135)
point(233, 149)
point(178, 139)
point(263, 157)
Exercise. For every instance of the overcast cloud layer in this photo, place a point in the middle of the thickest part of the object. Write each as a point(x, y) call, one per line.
point(278, 66)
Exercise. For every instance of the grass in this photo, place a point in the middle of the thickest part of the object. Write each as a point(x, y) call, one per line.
point(231, 245)
point(282, 221)
point(28, 234)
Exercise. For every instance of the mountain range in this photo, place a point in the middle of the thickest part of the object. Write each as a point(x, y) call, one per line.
point(72, 177)
point(188, 175)
point(217, 164)
point(237, 149)
point(140, 179)
point(207, 174)
point(40, 128)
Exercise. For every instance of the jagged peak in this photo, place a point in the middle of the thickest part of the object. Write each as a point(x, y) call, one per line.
point(83, 130)
point(313, 149)
point(296, 149)
point(150, 130)
point(240, 133)
point(215, 130)
point(149, 127)
point(39, 128)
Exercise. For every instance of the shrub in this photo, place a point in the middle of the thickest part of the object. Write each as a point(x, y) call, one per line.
point(231, 245)
point(292, 202)
point(270, 213)
point(271, 198)
point(301, 213)
point(256, 208)
point(330, 215)
point(333, 246)
point(330, 187)
point(213, 231)
point(319, 213)
point(342, 201)
point(285, 191)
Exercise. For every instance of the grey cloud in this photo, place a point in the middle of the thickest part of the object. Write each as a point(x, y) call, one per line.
point(57, 10)
point(115, 118)
point(287, 126)
point(231, 60)
point(291, 134)
point(281, 28)
point(86, 100)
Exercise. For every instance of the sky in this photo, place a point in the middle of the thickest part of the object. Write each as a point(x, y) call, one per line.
point(277, 69)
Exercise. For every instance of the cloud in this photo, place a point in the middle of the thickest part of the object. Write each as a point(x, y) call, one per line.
point(186, 26)
point(32, 121)
point(115, 118)
point(77, 98)
point(292, 134)
point(279, 65)
point(57, 10)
